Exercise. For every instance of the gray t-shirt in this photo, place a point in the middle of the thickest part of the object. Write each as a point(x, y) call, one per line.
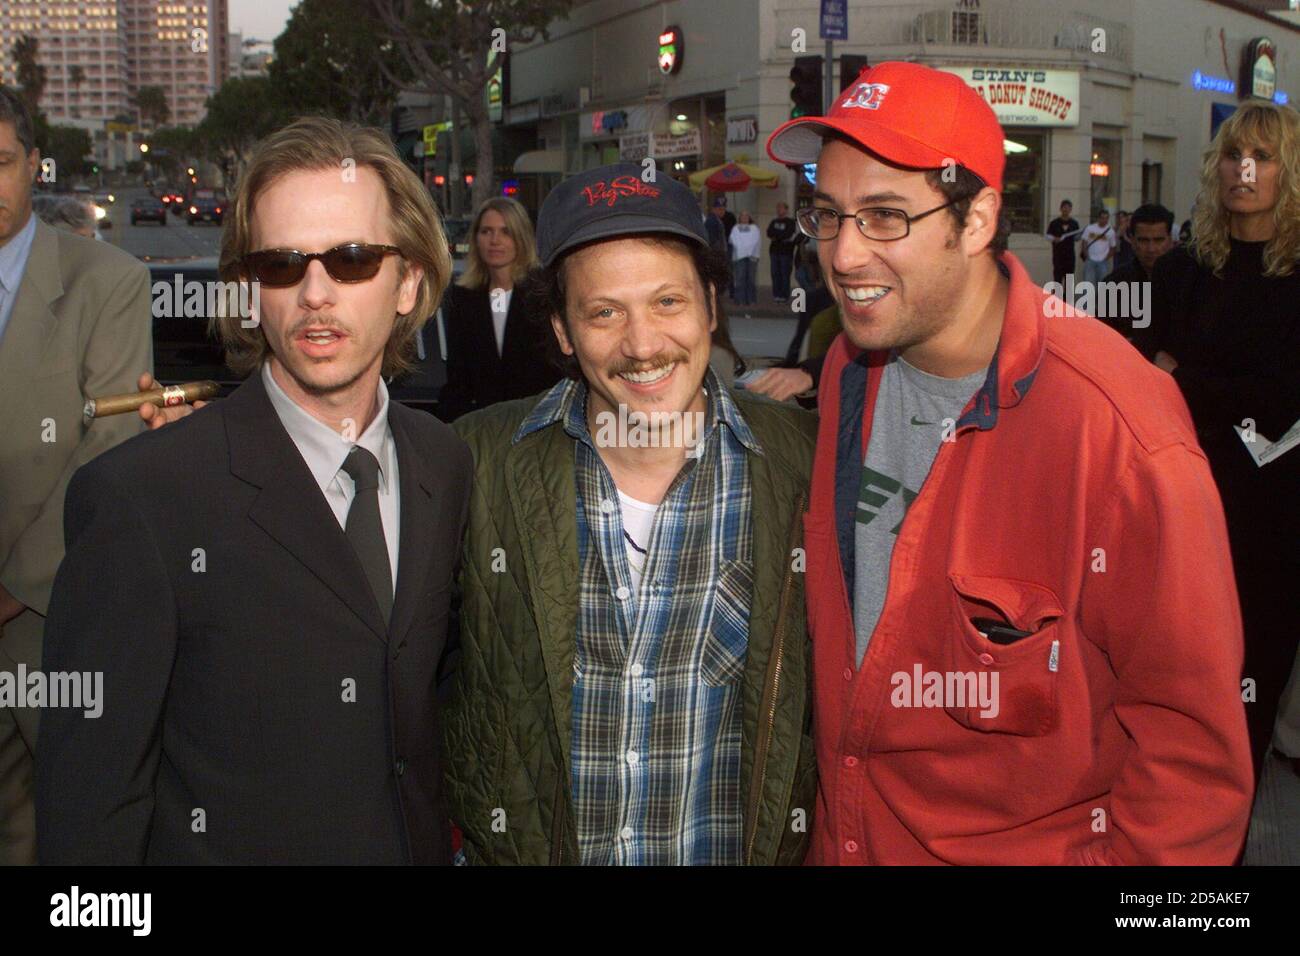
point(914, 412)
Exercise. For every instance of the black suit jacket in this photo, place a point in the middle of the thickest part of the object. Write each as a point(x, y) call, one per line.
point(476, 375)
point(255, 707)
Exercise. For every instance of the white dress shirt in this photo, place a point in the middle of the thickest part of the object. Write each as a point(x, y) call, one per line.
point(499, 303)
point(323, 449)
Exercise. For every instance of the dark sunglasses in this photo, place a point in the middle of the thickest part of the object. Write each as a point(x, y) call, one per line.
point(351, 262)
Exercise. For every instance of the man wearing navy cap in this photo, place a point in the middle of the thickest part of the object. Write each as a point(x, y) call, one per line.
point(634, 686)
point(1026, 637)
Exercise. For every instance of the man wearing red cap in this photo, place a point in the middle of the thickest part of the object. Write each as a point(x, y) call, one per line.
point(1026, 635)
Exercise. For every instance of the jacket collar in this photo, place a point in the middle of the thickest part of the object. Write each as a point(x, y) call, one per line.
point(1017, 357)
point(290, 507)
point(566, 403)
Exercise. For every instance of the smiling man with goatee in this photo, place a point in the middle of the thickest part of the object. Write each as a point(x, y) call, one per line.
point(634, 686)
point(265, 585)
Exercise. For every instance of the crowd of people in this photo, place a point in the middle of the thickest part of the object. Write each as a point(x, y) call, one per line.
point(1013, 593)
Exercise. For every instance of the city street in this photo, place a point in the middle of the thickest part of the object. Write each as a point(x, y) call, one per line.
point(175, 240)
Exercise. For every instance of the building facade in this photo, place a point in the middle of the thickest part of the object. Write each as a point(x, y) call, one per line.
point(1109, 105)
point(98, 53)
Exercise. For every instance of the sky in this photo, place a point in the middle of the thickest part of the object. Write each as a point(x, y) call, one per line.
point(263, 19)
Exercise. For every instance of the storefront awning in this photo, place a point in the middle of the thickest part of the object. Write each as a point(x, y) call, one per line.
point(540, 161)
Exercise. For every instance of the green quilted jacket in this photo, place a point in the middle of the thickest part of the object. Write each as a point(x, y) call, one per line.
point(508, 716)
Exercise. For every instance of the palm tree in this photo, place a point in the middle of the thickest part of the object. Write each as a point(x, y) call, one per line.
point(151, 103)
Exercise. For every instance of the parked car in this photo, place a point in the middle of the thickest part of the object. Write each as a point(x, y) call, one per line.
point(148, 209)
point(185, 351)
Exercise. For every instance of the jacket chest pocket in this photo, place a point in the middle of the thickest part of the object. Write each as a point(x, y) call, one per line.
point(1007, 688)
point(727, 641)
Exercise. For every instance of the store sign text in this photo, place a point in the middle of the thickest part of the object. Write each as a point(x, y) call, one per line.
point(1026, 97)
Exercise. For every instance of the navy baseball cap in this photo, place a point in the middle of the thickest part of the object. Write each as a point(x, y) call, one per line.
point(614, 201)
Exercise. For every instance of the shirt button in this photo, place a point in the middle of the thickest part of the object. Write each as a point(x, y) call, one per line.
point(848, 673)
point(622, 593)
point(850, 846)
point(986, 659)
point(633, 757)
point(636, 670)
point(625, 833)
point(850, 761)
point(607, 506)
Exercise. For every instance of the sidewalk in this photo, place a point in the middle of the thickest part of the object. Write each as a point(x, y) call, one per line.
point(765, 308)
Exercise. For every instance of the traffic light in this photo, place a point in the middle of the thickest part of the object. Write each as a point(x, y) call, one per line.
point(851, 64)
point(806, 93)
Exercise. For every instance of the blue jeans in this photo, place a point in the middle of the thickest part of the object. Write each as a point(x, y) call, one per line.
point(746, 291)
point(782, 262)
point(1096, 271)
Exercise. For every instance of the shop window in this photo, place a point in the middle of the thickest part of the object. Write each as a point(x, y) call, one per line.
point(1022, 182)
point(1103, 172)
point(1152, 173)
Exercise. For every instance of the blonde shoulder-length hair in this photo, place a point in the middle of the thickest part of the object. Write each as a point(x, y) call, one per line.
point(476, 274)
point(1256, 123)
point(316, 143)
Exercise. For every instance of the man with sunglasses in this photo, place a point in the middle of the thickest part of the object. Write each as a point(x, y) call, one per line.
point(1025, 631)
point(265, 585)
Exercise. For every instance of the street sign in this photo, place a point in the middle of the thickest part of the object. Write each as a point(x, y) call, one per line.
point(834, 24)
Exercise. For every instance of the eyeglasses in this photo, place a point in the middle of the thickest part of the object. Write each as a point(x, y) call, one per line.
point(351, 262)
point(874, 222)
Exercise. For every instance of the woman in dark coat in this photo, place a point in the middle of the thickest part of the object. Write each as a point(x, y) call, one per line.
point(494, 348)
point(1227, 313)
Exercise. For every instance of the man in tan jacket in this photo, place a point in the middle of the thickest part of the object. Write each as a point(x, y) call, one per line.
point(74, 323)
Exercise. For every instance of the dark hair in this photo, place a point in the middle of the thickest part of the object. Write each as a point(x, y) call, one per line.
point(543, 295)
point(1066, 202)
point(1151, 213)
point(14, 110)
point(963, 188)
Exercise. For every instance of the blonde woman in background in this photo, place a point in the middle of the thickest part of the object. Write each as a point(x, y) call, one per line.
point(494, 350)
point(1227, 312)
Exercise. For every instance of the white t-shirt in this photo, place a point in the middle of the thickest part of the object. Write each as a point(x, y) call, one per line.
point(499, 302)
point(638, 519)
point(1099, 250)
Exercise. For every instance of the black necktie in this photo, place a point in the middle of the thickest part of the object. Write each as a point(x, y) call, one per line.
point(365, 529)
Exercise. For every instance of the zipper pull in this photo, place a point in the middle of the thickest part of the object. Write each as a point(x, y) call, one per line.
point(1054, 659)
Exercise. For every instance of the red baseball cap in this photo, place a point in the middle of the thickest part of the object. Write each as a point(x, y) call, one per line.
point(909, 114)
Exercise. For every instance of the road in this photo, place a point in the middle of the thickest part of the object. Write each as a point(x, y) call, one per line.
point(754, 338)
point(176, 239)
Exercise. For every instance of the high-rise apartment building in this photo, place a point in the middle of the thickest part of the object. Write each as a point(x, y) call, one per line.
point(97, 53)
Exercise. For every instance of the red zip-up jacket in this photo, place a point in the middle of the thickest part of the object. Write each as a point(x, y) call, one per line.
point(1072, 502)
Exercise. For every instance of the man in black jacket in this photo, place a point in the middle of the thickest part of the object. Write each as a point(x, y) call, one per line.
point(264, 586)
point(783, 232)
point(1152, 228)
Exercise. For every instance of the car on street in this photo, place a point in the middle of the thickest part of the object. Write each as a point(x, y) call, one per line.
point(148, 209)
point(205, 206)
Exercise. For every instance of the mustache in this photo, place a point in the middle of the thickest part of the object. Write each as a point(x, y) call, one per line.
point(628, 365)
point(318, 321)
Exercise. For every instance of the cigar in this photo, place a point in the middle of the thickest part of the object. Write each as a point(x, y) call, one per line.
point(186, 393)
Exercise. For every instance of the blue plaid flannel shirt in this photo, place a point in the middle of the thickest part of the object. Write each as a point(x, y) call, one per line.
point(656, 728)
